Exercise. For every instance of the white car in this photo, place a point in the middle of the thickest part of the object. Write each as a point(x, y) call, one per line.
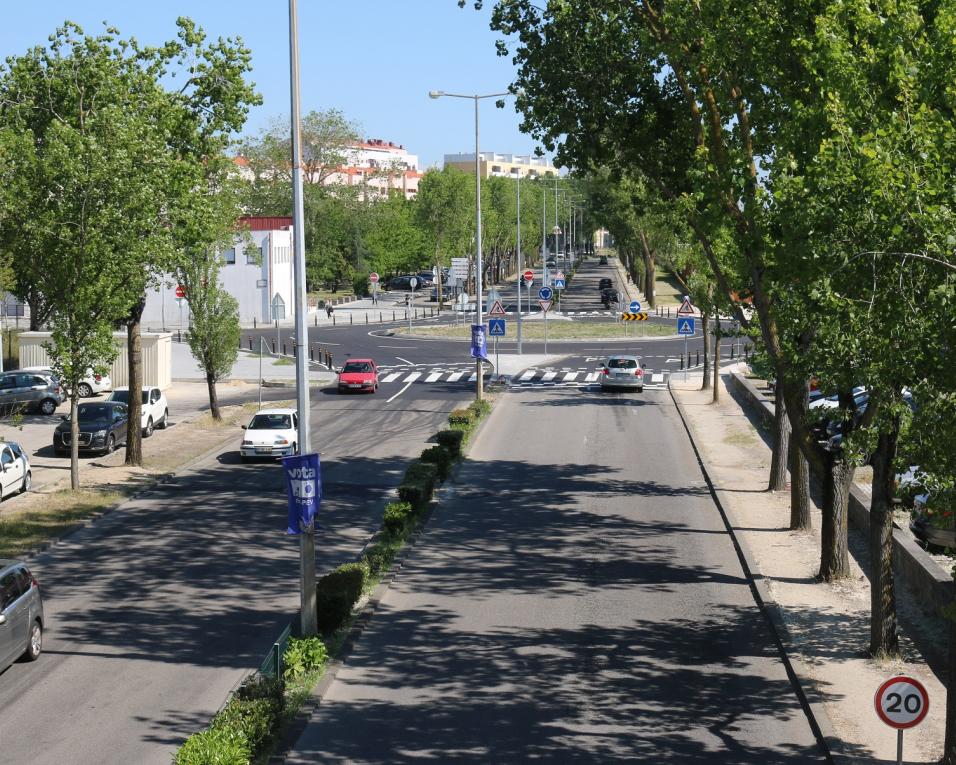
point(270, 433)
point(15, 474)
point(91, 385)
point(155, 407)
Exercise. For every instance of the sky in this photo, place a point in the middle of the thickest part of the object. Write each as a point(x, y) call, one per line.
point(375, 60)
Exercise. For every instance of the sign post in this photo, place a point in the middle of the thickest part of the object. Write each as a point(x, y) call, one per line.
point(901, 702)
point(545, 295)
point(496, 328)
point(685, 325)
point(558, 285)
point(373, 280)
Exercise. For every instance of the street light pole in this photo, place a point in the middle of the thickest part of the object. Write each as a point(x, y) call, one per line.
point(307, 537)
point(435, 94)
point(520, 268)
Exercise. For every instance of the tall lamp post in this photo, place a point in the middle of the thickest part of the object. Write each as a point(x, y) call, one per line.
point(520, 268)
point(435, 94)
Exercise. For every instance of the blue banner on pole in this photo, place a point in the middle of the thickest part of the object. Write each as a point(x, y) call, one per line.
point(479, 342)
point(304, 483)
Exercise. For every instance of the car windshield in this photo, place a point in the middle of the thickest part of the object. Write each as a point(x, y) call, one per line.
point(94, 413)
point(357, 366)
point(622, 363)
point(270, 422)
point(123, 396)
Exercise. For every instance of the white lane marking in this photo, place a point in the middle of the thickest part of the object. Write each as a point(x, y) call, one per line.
point(527, 375)
point(390, 347)
point(657, 377)
point(398, 394)
point(548, 376)
point(591, 377)
point(433, 376)
point(412, 377)
point(456, 377)
point(410, 363)
point(391, 377)
point(672, 361)
point(570, 376)
point(474, 376)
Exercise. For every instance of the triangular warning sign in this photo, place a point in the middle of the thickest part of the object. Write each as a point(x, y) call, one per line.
point(545, 305)
point(496, 309)
point(686, 309)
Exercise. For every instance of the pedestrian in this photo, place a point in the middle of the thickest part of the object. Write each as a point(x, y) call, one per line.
point(328, 310)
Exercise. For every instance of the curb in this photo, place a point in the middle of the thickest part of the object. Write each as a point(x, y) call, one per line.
point(820, 724)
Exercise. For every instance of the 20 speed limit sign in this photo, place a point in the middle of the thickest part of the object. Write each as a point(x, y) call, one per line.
point(902, 702)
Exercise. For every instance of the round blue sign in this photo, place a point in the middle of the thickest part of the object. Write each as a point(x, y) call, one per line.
point(545, 293)
point(635, 306)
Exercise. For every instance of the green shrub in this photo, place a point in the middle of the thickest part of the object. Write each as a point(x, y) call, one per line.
point(451, 440)
point(395, 516)
point(378, 558)
point(303, 655)
point(254, 719)
point(441, 458)
point(360, 285)
point(337, 592)
point(421, 472)
point(479, 408)
point(416, 494)
point(263, 687)
point(461, 417)
point(215, 746)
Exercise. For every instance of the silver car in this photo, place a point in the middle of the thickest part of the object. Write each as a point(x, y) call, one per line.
point(623, 373)
point(21, 614)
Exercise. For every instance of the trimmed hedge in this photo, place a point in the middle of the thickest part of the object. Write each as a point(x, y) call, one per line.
point(451, 440)
point(215, 746)
point(337, 592)
point(253, 718)
point(462, 417)
point(396, 516)
point(418, 484)
point(441, 458)
point(378, 558)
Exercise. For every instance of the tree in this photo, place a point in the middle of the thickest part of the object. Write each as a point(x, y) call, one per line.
point(214, 334)
point(443, 211)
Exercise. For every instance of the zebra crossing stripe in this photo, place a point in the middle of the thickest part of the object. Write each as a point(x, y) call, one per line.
point(391, 377)
point(473, 377)
point(412, 377)
point(592, 377)
point(549, 376)
point(433, 376)
point(456, 377)
point(570, 376)
point(527, 375)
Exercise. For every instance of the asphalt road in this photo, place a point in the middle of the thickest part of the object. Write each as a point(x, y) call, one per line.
point(577, 600)
point(159, 609)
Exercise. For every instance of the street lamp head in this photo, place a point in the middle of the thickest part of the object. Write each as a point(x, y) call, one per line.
point(436, 93)
point(556, 230)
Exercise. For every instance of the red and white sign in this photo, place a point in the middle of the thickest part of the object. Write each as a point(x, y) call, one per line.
point(901, 702)
point(545, 305)
point(686, 309)
point(559, 275)
point(373, 277)
point(180, 292)
point(496, 309)
point(528, 276)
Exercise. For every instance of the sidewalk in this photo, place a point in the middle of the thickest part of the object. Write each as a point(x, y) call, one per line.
point(245, 369)
point(825, 626)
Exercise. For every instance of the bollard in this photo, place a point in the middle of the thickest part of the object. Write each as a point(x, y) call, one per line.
point(253, 322)
point(379, 317)
point(273, 347)
point(333, 319)
point(250, 342)
point(366, 317)
point(731, 350)
point(311, 353)
point(350, 320)
point(316, 319)
point(295, 350)
point(393, 315)
point(697, 364)
point(682, 361)
point(283, 349)
point(330, 359)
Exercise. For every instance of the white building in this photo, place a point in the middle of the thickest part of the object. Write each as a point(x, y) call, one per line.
point(258, 275)
point(493, 164)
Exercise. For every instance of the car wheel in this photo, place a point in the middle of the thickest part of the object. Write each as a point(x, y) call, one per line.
point(148, 430)
point(84, 390)
point(164, 423)
point(110, 444)
point(48, 406)
point(641, 389)
point(27, 482)
point(35, 646)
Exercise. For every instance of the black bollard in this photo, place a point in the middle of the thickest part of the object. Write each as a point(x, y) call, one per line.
point(697, 363)
point(250, 342)
point(253, 322)
point(311, 353)
point(273, 347)
point(283, 349)
point(350, 320)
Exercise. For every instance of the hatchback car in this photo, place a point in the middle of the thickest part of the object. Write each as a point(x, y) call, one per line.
point(270, 433)
point(30, 390)
point(623, 373)
point(602, 260)
point(91, 384)
point(358, 375)
point(155, 412)
point(16, 475)
point(21, 614)
point(103, 427)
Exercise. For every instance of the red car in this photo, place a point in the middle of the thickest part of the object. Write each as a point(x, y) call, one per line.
point(358, 375)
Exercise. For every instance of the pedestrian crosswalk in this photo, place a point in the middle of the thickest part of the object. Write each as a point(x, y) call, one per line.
point(532, 377)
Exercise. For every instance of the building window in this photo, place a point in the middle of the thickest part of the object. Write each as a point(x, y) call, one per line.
point(229, 255)
point(496, 168)
point(252, 257)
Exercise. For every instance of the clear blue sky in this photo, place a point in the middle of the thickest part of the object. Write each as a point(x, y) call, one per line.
point(375, 60)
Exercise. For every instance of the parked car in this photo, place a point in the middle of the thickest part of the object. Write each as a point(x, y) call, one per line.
point(551, 263)
point(103, 426)
point(605, 284)
point(932, 520)
point(270, 433)
point(93, 383)
point(623, 373)
point(155, 407)
point(425, 279)
point(16, 477)
point(602, 260)
point(358, 375)
point(21, 614)
point(30, 390)
point(405, 282)
point(447, 292)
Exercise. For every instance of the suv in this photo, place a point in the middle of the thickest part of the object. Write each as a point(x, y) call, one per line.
point(102, 426)
point(21, 614)
point(27, 390)
point(155, 407)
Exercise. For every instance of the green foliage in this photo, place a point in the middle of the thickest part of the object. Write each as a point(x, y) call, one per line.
point(263, 687)
point(379, 557)
point(303, 655)
point(441, 458)
point(461, 417)
point(215, 746)
point(451, 440)
point(416, 494)
point(251, 719)
point(396, 516)
point(418, 484)
point(336, 594)
point(215, 331)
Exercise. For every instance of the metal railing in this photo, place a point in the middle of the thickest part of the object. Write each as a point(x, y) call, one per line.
point(272, 664)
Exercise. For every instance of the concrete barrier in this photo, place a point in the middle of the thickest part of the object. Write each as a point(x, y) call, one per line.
point(928, 580)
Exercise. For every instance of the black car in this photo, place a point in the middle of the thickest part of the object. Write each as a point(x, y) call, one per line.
point(602, 260)
point(605, 284)
point(608, 296)
point(102, 425)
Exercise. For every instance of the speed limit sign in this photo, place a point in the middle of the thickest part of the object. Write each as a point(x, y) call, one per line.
point(902, 702)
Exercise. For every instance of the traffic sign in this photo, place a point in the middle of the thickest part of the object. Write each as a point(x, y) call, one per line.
point(496, 309)
point(413, 283)
point(373, 277)
point(528, 276)
point(685, 326)
point(559, 275)
point(686, 309)
point(180, 292)
point(496, 327)
point(545, 293)
point(545, 305)
point(901, 702)
point(558, 283)
point(635, 306)
point(634, 317)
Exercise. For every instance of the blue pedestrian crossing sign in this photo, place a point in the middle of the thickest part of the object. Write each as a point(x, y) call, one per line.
point(635, 306)
point(559, 284)
point(545, 293)
point(496, 327)
point(685, 325)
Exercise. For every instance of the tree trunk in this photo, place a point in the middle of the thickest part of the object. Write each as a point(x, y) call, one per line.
point(781, 442)
point(716, 397)
point(74, 441)
point(213, 397)
point(884, 640)
point(799, 476)
point(949, 748)
point(705, 322)
point(134, 431)
point(649, 291)
point(834, 555)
